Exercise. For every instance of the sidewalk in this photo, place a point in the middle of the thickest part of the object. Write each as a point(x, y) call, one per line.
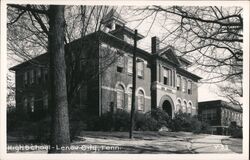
point(149, 142)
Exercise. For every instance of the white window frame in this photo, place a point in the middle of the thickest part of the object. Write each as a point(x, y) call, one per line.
point(184, 107)
point(141, 100)
point(166, 75)
point(140, 71)
point(178, 105)
point(189, 107)
point(178, 83)
point(130, 65)
point(184, 85)
point(189, 87)
point(129, 98)
point(120, 94)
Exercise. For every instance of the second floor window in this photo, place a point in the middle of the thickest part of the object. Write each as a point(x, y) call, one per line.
point(184, 85)
point(165, 76)
point(31, 76)
point(130, 65)
point(25, 78)
point(120, 64)
point(38, 75)
point(178, 83)
point(140, 69)
point(189, 87)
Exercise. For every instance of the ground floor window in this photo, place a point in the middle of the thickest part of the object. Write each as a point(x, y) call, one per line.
point(141, 100)
point(184, 107)
point(129, 98)
point(189, 108)
point(178, 105)
point(120, 97)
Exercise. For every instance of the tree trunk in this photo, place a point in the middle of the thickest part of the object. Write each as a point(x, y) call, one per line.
point(60, 136)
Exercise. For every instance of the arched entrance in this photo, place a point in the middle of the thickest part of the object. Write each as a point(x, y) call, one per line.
point(166, 106)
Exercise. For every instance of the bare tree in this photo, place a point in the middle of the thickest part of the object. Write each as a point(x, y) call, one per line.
point(209, 36)
point(30, 29)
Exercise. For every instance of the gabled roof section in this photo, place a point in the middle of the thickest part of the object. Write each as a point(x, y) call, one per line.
point(185, 61)
point(169, 54)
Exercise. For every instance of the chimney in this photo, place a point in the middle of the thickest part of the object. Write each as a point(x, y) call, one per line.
point(155, 44)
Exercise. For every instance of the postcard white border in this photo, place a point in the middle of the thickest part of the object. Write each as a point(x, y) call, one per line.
point(3, 84)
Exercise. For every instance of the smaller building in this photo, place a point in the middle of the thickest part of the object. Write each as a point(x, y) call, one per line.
point(219, 114)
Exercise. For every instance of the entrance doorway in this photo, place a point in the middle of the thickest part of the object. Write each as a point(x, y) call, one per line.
point(166, 106)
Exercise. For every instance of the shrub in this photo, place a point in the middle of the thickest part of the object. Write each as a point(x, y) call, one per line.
point(186, 122)
point(118, 121)
point(144, 122)
point(162, 118)
point(235, 131)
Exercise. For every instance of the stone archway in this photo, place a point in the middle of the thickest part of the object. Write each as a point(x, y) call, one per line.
point(167, 104)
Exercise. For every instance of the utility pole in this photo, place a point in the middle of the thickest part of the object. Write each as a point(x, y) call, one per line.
point(133, 88)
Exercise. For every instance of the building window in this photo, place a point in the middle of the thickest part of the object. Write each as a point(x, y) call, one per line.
point(189, 87)
point(120, 64)
point(184, 107)
point(130, 65)
point(184, 85)
point(38, 75)
point(31, 76)
point(140, 69)
point(209, 114)
point(25, 78)
point(32, 107)
point(178, 83)
point(120, 97)
point(129, 98)
point(165, 76)
point(178, 105)
point(189, 108)
point(45, 75)
point(25, 102)
point(45, 101)
point(141, 100)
